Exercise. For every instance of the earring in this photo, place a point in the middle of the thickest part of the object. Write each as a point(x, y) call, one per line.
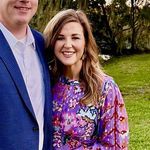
point(83, 57)
point(84, 54)
point(53, 64)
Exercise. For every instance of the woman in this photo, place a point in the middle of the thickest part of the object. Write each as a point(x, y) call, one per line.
point(88, 111)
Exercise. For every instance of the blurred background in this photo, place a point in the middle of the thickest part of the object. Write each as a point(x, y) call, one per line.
point(122, 31)
point(119, 26)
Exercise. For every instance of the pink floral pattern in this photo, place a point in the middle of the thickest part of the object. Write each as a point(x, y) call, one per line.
point(78, 127)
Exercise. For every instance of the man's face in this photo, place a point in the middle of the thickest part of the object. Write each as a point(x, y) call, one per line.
point(15, 13)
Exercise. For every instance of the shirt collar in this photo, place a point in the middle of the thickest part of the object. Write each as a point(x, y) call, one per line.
point(30, 39)
point(12, 40)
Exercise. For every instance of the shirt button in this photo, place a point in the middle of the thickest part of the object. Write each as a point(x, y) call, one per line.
point(35, 129)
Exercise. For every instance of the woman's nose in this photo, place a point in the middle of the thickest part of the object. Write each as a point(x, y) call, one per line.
point(68, 43)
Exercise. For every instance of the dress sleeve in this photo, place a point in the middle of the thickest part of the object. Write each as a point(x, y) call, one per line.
point(113, 123)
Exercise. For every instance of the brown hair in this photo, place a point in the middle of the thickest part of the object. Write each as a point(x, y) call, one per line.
point(91, 72)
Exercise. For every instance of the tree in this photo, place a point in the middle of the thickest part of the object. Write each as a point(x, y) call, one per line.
point(118, 28)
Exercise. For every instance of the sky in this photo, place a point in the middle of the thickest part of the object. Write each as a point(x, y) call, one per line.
point(141, 3)
point(108, 2)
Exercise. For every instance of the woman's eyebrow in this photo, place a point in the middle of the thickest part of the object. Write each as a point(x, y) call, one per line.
point(76, 34)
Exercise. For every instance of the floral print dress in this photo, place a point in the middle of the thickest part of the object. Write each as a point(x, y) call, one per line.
point(79, 127)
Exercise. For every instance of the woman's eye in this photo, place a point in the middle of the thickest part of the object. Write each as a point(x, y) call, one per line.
point(60, 38)
point(75, 38)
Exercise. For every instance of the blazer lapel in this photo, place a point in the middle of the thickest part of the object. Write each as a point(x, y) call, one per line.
point(10, 62)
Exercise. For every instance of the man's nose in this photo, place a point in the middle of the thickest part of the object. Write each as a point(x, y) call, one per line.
point(24, 1)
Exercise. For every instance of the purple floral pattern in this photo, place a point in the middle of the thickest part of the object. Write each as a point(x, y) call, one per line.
point(79, 127)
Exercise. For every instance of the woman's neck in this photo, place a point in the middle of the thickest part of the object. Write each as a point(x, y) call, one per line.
point(72, 72)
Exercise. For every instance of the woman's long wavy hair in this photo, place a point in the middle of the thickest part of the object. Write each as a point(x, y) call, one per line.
point(91, 72)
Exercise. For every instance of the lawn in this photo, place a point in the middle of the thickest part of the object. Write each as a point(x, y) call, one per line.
point(132, 74)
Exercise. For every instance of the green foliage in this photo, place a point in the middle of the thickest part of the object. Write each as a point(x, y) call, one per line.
point(48, 8)
point(143, 27)
point(132, 74)
point(145, 13)
point(115, 29)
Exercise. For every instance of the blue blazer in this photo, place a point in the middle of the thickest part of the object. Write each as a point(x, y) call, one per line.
point(18, 125)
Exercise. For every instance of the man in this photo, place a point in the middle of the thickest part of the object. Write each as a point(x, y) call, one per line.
point(25, 98)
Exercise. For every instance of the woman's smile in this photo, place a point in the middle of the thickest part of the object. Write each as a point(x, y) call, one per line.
point(68, 54)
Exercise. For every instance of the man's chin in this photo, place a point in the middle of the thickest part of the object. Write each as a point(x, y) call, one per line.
point(23, 22)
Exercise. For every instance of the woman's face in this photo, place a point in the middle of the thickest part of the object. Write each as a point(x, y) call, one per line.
point(70, 44)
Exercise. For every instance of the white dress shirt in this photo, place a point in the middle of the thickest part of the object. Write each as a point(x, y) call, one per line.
point(28, 61)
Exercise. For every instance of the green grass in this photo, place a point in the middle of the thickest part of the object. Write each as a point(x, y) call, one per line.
point(132, 74)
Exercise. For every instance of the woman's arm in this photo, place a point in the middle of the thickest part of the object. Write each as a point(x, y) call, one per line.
point(113, 124)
